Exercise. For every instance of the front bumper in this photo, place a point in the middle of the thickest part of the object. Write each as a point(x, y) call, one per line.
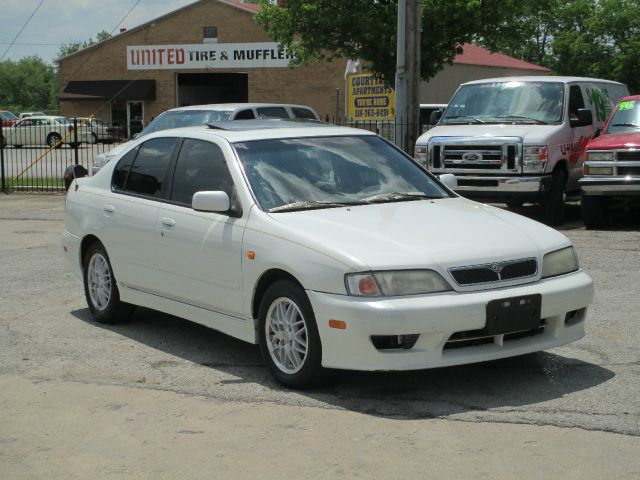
point(436, 318)
point(503, 187)
point(610, 185)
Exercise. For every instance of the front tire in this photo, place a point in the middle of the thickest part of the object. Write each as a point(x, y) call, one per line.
point(53, 140)
point(593, 211)
point(100, 288)
point(289, 339)
point(553, 205)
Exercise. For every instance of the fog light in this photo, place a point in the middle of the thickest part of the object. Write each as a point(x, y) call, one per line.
point(394, 342)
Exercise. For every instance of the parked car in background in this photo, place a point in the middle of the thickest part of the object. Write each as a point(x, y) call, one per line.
point(202, 114)
point(45, 130)
point(31, 114)
point(387, 128)
point(519, 139)
point(426, 110)
point(100, 131)
point(8, 118)
point(326, 246)
point(612, 167)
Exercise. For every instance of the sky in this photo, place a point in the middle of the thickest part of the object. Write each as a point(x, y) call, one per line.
point(60, 22)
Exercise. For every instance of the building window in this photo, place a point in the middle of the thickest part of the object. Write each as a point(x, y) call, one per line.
point(209, 34)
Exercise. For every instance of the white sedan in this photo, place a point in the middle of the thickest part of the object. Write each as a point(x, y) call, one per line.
point(47, 130)
point(326, 246)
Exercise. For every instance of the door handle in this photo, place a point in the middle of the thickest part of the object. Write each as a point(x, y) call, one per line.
point(109, 209)
point(168, 222)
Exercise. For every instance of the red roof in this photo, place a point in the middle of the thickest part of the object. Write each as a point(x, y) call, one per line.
point(249, 7)
point(474, 55)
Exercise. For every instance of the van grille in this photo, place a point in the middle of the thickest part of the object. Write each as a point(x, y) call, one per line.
point(501, 154)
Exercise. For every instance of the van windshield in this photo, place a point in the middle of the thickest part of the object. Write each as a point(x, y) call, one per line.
point(506, 102)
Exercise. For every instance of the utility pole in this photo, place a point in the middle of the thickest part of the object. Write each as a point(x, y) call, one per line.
point(408, 74)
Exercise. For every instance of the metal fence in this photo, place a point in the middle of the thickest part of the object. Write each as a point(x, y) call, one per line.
point(35, 155)
point(30, 161)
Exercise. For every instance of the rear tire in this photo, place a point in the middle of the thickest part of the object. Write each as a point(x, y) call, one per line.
point(100, 288)
point(593, 211)
point(288, 335)
point(553, 205)
point(53, 140)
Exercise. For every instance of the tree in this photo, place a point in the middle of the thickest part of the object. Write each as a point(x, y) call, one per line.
point(28, 84)
point(366, 29)
point(69, 48)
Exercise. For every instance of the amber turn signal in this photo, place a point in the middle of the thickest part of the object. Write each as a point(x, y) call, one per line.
point(339, 324)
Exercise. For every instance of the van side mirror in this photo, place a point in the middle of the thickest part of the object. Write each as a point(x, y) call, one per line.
point(435, 117)
point(584, 118)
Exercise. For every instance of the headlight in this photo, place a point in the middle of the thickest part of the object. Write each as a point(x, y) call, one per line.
point(600, 156)
point(559, 262)
point(395, 282)
point(420, 154)
point(535, 158)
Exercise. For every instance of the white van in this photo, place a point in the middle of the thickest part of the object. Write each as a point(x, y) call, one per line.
point(519, 139)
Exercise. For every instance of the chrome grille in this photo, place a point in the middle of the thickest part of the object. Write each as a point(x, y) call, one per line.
point(474, 155)
point(632, 155)
point(495, 272)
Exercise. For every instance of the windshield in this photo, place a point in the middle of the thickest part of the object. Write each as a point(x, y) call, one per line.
point(506, 102)
point(64, 121)
point(626, 117)
point(319, 172)
point(8, 115)
point(185, 118)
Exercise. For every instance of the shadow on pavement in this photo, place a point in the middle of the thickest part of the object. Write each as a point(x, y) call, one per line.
point(514, 382)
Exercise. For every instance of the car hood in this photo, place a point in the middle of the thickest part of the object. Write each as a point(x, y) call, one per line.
point(419, 234)
point(531, 134)
point(615, 141)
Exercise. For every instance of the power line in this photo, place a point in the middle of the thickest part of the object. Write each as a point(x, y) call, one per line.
point(23, 27)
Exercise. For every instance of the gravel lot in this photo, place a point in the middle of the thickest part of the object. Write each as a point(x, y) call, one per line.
point(557, 402)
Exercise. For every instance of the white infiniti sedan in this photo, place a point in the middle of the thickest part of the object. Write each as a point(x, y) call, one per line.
point(326, 246)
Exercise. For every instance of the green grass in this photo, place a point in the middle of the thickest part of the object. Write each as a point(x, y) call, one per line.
point(33, 184)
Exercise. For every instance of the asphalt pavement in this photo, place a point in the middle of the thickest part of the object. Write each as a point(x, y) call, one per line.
point(161, 397)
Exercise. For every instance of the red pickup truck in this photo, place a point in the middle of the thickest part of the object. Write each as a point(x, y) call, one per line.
point(612, 167)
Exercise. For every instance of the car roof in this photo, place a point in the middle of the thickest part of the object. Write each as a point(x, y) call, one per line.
point(247, 133)
point(544, 78)
point(230, 107)
point(43, 117)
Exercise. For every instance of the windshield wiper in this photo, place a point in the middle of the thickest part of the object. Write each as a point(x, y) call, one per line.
point(477, 120)
point(398, 197)
point(637, 125)
point(310, 205)
point(522, 117)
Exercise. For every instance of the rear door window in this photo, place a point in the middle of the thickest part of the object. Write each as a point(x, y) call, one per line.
point(147, 173)
point(245, 115)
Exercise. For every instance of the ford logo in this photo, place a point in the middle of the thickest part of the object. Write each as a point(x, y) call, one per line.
point(472, 156)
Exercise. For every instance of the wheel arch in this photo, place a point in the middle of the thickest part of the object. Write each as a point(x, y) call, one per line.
point(84, 246)
point(266, 279)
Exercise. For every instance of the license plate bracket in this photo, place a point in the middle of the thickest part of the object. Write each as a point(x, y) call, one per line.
point(514, 314)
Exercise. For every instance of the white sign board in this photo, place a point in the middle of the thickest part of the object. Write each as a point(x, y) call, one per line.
point(207, 55)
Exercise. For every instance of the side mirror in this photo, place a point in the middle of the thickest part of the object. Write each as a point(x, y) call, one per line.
point(584, 118)
point(210, 202)
point(435, 117)
point(449, 180)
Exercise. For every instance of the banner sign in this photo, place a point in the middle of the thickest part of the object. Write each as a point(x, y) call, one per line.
point(369, 98)
point(207, 55)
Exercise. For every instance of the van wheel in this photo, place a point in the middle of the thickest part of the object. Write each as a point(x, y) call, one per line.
point(593, 211)
point(554, 203)
point(288, 335)
point(53, 140)
point(100, 288)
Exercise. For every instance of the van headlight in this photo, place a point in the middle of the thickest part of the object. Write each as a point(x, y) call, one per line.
point(420, 154)
point(534, 158)
point(392, 283)
point(559, 262)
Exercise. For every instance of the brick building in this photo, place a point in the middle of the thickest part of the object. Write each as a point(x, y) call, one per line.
point(211, 51)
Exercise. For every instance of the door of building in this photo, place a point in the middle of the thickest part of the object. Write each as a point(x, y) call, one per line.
point(135, 117)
